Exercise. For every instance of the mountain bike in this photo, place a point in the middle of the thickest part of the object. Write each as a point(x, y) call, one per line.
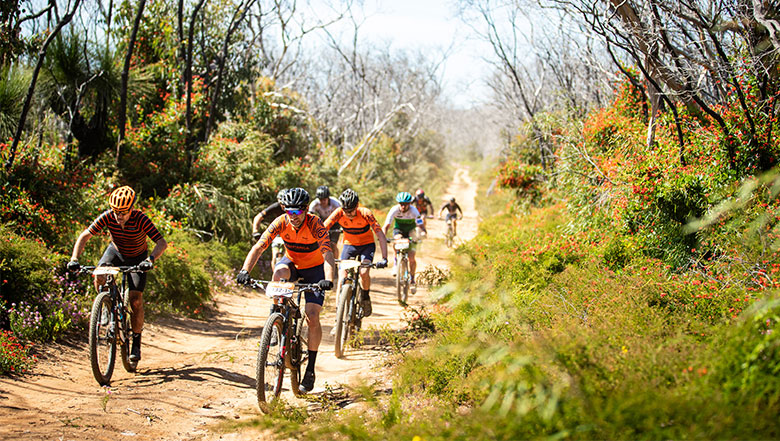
point(449, 239)
point(277, 251)
point(283, 342)
point(403, 277)
point(109, 322)
point(349, 313)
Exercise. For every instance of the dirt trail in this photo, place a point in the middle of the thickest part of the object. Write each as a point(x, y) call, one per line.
point(195, 374)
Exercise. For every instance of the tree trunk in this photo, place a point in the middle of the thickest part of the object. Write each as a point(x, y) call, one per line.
point(125, 75)
point(41, 55)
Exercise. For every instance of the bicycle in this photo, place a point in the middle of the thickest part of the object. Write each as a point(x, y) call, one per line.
point(349, 313)
point(288, 329)
point(449, 239)
point(109, 322)
point(277, 251)
point(403, 277)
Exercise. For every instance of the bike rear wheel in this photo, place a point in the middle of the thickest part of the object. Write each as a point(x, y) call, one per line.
point(102, 338)
point(342, 320)
point(270, 362)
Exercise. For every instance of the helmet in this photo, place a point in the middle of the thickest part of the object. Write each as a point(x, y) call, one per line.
point(295, 198)
point(122, 199)
point(323, 192)
point(452, 199)
point(403, 197)
point(280, 195)
point(420, 193)
point(349, 199)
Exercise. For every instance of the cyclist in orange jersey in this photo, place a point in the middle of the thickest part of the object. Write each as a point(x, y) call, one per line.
point(358, 224)
point(307, 252)
point(128, 229)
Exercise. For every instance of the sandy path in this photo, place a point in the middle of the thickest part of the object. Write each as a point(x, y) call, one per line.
point(197, 373)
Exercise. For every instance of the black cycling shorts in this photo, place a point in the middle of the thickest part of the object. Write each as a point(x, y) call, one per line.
point(112, 257)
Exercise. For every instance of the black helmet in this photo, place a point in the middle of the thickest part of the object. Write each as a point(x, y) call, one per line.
point(323, 192)
point(280, 195)
point(295, 198)
point(349, 199)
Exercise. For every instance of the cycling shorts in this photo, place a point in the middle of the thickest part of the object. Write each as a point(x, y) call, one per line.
point(452, 216)
point(112, 257)
point(308, 275)
point(366, 252)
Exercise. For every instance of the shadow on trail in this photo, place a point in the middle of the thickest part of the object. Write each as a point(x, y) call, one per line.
point(154, 377)
point(221, 325)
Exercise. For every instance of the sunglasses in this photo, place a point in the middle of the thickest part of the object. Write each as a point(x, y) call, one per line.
point(294, 211)
point(406, 204)
point(122, 212)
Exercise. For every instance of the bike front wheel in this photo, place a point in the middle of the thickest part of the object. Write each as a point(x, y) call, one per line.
point(403, 280)
point(342, 320)
point(102, 338)
point(301, 348)
point(270, 362)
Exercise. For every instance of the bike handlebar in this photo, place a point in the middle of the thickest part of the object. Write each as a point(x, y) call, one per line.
point(261, 284)
point(122, 269)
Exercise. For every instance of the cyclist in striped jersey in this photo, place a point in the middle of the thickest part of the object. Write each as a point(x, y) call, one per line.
point(128, 229)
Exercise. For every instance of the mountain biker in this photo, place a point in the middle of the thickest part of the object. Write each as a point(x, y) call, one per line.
point(271, 212)
point(129, 229)
point(422, 203)
point(358, 224)
point(403, 217)
point(452, 208)
point(307, 254)
point(323, 206)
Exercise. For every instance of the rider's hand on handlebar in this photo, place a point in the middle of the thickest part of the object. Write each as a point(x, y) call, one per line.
point(382, 263)
point(146, 265)
point(73, 266)
point(325, 285)
point(243, 277)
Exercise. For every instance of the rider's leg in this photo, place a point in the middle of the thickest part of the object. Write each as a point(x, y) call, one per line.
point(412, 263)
point(136, 322)
point(365, 279)
point(315, 330)
point(455, 227)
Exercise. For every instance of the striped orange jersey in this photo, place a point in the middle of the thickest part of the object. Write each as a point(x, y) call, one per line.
point(130, 240)
point(305, 245)
point(357, 231)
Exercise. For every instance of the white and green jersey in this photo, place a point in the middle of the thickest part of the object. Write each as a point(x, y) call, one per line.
point(402, 220)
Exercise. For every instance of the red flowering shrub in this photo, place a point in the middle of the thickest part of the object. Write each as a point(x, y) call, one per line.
point(15, 357)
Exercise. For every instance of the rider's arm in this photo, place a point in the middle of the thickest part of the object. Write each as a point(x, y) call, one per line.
point(389, 220)
point(333, 218)
point(369, 216)
point(78, 247)
point(323, 238)
point(265, 240)
point(256, 222)
point(159, 248)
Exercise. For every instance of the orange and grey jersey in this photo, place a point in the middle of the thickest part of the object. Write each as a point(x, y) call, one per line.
point(305, 245)
point(357, 231)
point(130, 240)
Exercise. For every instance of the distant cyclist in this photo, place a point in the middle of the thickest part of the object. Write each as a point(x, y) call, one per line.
point(308, 253)
point(360, 227)
point(323, 206)
point(128, 229)
point(271, 212)
point(403, 218)
point(422, 203)
point(452, 208)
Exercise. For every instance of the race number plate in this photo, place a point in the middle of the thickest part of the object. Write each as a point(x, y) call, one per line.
point(419, 221)
point(106, 271)
point(348, 264)
point(280, 289)
point(402, 244)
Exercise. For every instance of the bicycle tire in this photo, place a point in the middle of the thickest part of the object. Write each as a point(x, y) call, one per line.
point(126, 334)
point(270, 374)
point(399, 275)
point(102, 339)
point(302, 333)
point(342, 320)
point(406, 280)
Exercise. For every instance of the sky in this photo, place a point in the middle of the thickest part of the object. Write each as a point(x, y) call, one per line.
point(432, 25)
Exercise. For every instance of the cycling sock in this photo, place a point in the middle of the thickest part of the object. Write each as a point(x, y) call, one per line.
point(312, 359)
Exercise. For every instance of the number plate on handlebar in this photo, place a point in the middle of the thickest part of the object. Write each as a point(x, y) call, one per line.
point(280, 289)
point(106, 271)
point(349, 264)
point(402, 244)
